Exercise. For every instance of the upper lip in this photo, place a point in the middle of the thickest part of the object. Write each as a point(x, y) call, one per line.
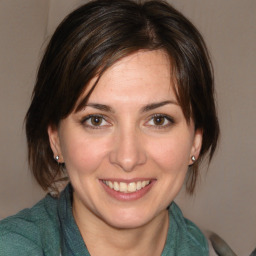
point(127, 180)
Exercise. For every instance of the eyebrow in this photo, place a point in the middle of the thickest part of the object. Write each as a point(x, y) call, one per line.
point(100, 107)
point(146, 108)
point(153, 106)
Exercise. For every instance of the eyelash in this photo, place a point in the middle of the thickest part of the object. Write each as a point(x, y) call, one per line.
point(167, 118)
point(91, 126)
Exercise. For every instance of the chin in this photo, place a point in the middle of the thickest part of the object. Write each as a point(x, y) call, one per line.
point(127, 219)
point(127, 223)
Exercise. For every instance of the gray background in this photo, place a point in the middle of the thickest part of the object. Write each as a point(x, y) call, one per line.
point(225, 199)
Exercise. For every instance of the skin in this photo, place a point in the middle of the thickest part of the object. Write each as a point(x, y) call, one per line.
point(128, 143)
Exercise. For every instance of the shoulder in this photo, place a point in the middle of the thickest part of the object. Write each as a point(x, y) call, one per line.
point(195, 239)
point(30, 231)
point(195, 234)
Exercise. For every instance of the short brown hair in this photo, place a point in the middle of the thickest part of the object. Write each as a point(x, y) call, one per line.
point(90, 40)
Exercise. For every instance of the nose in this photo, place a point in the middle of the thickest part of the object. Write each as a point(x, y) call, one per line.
point(128, 151)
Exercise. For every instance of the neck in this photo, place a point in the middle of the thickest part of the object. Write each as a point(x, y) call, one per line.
point(148, 239)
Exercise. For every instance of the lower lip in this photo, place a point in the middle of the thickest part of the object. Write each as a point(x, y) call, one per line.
point(128, 196)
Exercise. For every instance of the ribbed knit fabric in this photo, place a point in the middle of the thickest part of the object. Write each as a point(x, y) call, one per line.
point(49, 229)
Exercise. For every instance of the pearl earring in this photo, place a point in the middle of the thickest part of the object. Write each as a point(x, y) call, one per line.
point(193, 158)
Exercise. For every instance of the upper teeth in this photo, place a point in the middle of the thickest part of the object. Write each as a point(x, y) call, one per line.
point(126, 187)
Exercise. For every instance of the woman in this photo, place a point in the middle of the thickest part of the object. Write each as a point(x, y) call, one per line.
point(124, 107)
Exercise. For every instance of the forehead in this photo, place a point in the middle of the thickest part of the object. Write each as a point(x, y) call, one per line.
point(144, 75)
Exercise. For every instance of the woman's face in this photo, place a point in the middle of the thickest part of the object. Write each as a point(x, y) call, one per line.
point(128, 150)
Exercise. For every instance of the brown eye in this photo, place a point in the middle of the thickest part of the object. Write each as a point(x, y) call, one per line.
point(96, 120)
point(159, 120)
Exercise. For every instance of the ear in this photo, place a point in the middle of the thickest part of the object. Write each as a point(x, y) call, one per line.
point(197, 144)
point(54, 140)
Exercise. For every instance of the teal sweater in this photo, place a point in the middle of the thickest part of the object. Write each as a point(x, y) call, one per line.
point(49, 229)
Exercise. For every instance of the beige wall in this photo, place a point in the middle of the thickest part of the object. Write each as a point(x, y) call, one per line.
point(225, 200)
point(22, 32)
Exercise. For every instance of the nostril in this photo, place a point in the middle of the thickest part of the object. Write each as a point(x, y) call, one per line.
point(127, 159)
point(128, 151)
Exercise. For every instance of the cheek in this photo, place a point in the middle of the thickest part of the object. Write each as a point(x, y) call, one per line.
point(171, 153)
point(84, 156)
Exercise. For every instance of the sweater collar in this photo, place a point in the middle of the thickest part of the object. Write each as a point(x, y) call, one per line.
point(71, 240)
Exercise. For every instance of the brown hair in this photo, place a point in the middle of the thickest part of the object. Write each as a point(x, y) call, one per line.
point(90, 40)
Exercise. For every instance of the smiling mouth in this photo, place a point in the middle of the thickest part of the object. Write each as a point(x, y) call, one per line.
point(126, 187)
